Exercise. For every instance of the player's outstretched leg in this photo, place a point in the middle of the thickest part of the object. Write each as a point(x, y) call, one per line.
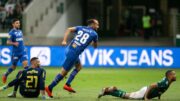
point(57, 79)
point(67, 86)
point(16, 85)
point(9, 71)
point(113, 91)
point(103, 92)
point(12, 68)
point(48, 91)
point(49, 88)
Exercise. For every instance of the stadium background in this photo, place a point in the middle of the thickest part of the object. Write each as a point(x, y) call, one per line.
point(120, 39)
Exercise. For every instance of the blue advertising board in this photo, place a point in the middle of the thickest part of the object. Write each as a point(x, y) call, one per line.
point(103, 56)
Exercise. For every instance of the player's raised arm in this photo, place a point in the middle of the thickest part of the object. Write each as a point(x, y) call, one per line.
point(69, 30)
point(152, 86)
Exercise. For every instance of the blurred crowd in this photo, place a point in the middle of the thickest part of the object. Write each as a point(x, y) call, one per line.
point(10, 9)
point(137, 23)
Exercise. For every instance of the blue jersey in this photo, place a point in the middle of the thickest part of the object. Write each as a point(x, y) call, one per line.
point(16, 35)
point(84, 35)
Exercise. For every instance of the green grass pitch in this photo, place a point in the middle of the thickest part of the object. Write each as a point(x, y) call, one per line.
point(90, 81)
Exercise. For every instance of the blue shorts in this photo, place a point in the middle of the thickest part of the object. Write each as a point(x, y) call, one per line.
point(71, 59)
point(16, 57)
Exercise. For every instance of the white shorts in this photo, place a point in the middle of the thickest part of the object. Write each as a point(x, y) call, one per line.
point(138, 94)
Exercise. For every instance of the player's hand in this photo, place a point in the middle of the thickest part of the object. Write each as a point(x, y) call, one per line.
point(16, 44)
point(64, 43)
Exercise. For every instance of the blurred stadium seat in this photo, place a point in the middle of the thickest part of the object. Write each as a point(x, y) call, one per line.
point(10, 9)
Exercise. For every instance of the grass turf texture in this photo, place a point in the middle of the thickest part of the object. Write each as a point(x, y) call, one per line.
point(90, 81)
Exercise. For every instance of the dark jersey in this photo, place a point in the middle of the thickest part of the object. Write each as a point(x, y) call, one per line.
point(162, 86)
point(31, 81)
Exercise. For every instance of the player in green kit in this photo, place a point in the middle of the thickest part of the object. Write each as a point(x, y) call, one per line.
point(145, 93)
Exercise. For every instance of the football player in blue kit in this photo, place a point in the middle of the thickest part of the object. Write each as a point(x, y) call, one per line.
point(84, 35)
point(18, 50)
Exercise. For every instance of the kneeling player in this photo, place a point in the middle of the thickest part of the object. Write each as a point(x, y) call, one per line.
point(147, 92)
point(31, 81)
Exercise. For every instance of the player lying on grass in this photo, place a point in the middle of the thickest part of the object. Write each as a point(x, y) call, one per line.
point(147, 92)
point(84, 35)
point(31, 81)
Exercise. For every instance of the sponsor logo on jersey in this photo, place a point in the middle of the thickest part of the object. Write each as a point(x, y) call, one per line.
point(19, 39)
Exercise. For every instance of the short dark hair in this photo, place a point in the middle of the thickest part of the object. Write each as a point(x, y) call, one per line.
point(14, 20)
point(34, 58)
point(168, 72)
point(90, 21)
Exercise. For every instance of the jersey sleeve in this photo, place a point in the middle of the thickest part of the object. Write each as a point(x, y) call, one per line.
point(42, 79)
point(11, 36)
point(77, 28)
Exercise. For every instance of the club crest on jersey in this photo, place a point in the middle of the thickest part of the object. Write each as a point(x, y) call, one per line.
point(77, 43)
point(74, 45)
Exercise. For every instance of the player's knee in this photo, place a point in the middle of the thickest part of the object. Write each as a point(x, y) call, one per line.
point(63, 72)
point(13, 67)
point(78, 66)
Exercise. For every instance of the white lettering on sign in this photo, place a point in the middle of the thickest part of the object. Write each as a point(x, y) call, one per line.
point(103, 57)
point(125, 57)
point(5, 57)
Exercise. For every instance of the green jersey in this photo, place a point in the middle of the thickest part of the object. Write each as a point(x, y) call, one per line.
point(146, 21)
point(162, 86)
